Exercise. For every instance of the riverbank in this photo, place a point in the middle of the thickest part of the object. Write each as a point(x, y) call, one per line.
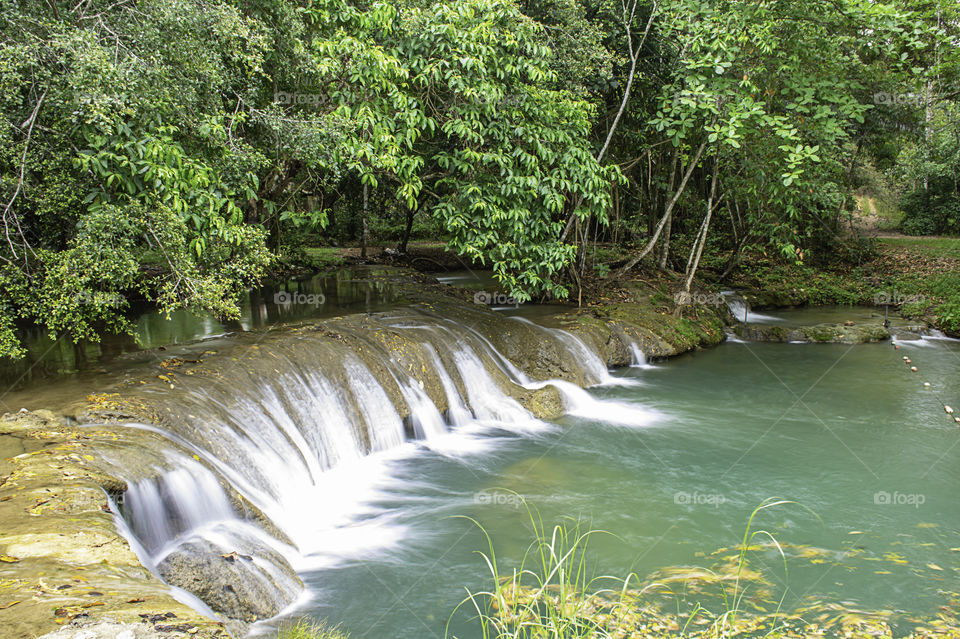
point(918, 278)
point(58, 490)
point(65, 563)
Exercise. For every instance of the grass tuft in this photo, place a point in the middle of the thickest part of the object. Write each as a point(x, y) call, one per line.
point(308, 629)
point(551, 595)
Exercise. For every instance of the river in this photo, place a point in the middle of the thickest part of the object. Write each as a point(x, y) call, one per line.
point(386, 512)
point(847, 432)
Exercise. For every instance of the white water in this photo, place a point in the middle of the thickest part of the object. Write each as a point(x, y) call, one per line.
point(315, 455)
point(741, 310)
point(580, 403)
point(932, 338)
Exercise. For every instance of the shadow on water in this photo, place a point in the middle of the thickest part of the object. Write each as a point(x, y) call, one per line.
point(358, 289)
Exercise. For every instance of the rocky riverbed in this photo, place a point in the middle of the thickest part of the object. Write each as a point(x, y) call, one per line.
point(64, 563)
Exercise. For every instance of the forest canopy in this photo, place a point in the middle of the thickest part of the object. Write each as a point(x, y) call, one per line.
point(174, 150)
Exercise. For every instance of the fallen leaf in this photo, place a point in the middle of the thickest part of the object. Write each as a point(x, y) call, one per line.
point(9, 605)
point(8, 559)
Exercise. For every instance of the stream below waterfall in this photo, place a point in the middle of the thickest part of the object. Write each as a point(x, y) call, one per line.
point(846, 431)
point(380, 515)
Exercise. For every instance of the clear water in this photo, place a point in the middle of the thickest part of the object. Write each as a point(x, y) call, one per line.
point(832, 427)
point(357, 289)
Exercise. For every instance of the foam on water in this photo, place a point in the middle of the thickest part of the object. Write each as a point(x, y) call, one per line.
point(314, 450)
point(741, 310)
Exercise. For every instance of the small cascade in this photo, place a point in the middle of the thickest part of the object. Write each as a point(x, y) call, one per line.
point(457, 412)
point(740, 309)
point(280, 448)
point(383, 423)
point(426, 420)
point(174, 504)
point(638, 359)
point(924, 338)
point(737, 305)
point(594, 367)
point(489, 402)
point(590, 360)
point(580, 403)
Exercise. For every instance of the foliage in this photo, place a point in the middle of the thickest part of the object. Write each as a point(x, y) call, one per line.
point(173, 151)
point(553, 593)
point(307, 629)
point(157, 151)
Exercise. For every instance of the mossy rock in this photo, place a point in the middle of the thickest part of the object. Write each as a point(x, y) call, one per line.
point(544, 403)
point(820, 333)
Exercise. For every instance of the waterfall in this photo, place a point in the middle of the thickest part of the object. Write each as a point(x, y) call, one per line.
point(741, 312)
point(638, 359)
point(282, 446)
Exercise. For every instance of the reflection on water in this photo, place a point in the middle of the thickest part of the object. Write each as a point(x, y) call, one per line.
point(358, 289)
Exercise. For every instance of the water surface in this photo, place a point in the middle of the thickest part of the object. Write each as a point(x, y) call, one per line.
point(847, 431)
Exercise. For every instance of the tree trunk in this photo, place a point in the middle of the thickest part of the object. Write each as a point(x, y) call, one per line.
point(702, 238)
point(402, 247)
point(665, 247)
point(634, 55)
point(673, 201)
point(365, 237)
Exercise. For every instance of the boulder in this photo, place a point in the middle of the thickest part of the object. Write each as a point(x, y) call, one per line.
point(245, 587)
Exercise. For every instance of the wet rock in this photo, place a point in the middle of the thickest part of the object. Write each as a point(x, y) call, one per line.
point(544, 403)
point(70, 564)
point(114, 630)
point(240, 586)
point(821, 333)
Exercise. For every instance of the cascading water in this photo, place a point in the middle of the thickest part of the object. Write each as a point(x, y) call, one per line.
point(740, 309)
point(279, 452)
point(638, 359)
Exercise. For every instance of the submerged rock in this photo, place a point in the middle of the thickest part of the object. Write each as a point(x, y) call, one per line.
point(239, 586)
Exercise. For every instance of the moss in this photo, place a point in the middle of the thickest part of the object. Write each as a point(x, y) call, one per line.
point(657, 332)
point(62, 546)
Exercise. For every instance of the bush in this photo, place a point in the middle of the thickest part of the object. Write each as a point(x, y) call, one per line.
point(930, 212)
